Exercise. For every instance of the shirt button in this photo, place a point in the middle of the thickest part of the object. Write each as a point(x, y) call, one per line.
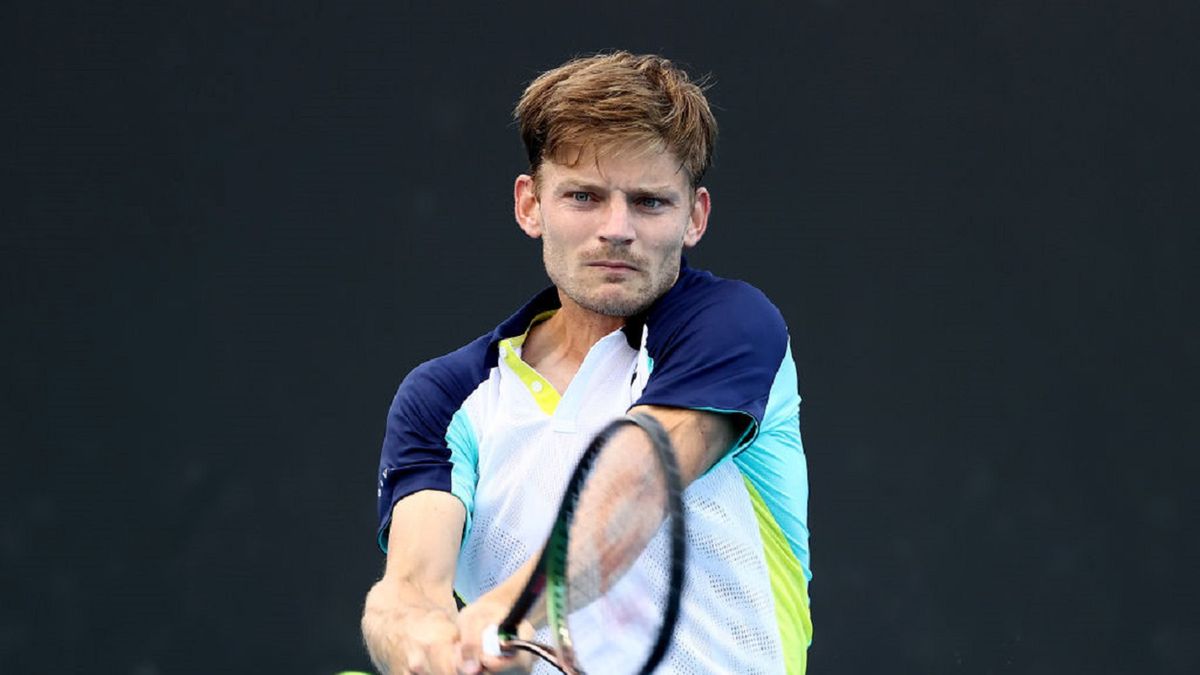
point(536, 387)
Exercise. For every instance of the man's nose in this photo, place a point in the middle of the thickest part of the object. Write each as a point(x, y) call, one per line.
point(617, 227)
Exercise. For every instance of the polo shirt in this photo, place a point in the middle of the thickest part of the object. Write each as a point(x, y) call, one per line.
point(483, 425)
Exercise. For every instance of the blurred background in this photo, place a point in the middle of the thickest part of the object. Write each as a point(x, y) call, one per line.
point(230, 228)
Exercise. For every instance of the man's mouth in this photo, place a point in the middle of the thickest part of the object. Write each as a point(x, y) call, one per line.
point(613, 265)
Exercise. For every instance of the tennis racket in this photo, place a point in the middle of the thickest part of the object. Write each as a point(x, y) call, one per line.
point(585, 557)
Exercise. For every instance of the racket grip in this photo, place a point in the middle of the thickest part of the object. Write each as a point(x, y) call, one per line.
point(490, 641)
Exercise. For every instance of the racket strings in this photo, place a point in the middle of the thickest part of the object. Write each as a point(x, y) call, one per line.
point(626, 505)
point(618, 497)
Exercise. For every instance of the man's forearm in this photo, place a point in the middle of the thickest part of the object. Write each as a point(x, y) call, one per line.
point(505, 593)
point(409, 616)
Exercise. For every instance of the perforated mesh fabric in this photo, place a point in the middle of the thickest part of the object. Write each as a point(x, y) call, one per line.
point(727, 623)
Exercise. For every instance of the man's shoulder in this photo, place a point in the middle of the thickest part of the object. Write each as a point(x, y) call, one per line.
point(453, 375)
point(460, 371)
point(701, 296)
point(714, 344)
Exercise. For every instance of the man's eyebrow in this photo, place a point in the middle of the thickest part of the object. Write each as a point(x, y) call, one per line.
point(665, 190)
point(582, 186)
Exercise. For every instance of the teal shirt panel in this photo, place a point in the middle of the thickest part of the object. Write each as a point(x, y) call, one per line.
point(776, 465)
point(464, 457)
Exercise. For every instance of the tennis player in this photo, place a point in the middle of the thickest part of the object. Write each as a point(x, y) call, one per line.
point(480, 442)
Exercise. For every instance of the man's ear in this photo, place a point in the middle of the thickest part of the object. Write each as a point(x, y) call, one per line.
point(525, 206)
point(698, 219)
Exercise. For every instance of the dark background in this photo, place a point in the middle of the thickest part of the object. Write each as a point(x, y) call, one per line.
point(229, 229)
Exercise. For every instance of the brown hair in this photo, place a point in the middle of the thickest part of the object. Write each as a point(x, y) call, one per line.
point(614, 100)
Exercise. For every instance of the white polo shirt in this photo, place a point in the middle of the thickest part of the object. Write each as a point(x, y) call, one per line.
point(483, 425)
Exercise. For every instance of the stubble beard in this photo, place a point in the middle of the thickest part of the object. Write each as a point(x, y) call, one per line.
point(639, 294)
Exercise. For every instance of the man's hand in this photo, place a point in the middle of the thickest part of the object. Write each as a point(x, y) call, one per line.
point(409, 634)
point(489, 610)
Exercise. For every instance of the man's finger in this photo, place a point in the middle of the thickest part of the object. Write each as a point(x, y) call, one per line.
point(503, 664)
point(415, 662)
point(468, 661)
point(443, 662)
point(421, 662)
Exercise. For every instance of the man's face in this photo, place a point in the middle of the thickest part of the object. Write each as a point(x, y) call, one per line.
point(613, 227)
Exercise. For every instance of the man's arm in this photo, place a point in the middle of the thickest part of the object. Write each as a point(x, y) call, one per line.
point(408, 623)
point(701, 439)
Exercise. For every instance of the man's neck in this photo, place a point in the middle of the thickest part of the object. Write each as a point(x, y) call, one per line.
point(557, 346)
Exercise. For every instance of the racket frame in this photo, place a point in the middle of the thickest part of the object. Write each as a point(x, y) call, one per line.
point(550, 573)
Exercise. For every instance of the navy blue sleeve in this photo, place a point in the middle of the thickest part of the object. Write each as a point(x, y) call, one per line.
point(714, 345)
point(415, 453)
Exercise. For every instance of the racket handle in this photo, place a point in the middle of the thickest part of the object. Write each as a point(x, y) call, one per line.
point(490, 642)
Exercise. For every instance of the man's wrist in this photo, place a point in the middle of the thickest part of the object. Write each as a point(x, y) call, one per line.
point(411, 596)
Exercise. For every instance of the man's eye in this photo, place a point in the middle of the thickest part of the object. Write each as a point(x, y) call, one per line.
point(581, 196)
point(652, 202)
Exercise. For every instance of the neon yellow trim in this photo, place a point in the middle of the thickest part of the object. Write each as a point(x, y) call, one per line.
point(543, 392)
point(788, 586)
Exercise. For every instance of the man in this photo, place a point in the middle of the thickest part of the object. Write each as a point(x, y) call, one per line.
point(479, 442)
